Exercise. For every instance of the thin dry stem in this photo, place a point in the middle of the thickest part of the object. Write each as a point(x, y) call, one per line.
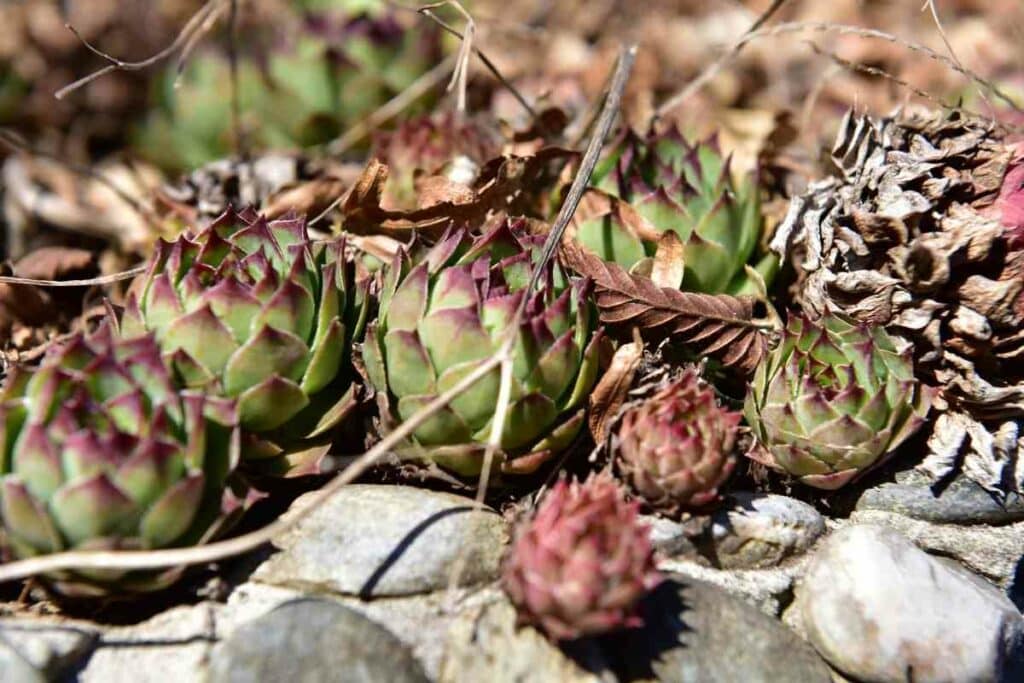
point(487, 63)
point(828, 27)
point(609, 112)
point(712, 70)
point(90, 282)
point(930, 5)
point(195, 27)
point(875, 71)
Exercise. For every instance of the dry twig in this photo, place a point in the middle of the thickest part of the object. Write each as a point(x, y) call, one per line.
point(200, 23)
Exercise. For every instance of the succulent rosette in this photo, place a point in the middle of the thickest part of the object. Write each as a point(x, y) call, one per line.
point(255, 311)
point(443, 316)
point(660, 183)
point(581, 564)
point(833, 400)
point(447, 145)
point(101, 452)
point(675, 448)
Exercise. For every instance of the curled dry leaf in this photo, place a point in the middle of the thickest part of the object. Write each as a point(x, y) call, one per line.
point(609, 395)
point(721, 326)
point(502, 184)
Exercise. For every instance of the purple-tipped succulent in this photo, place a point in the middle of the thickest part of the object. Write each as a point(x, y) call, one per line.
point(674, 186)
point(581, 564)
point(832, 401)
point(675, 449)
point(101, 452)
point(441, 317)
point(255, 311)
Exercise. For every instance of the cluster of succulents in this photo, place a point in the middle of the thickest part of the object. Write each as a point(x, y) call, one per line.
point(242, 349)
point(323, 70)
point(661, 183)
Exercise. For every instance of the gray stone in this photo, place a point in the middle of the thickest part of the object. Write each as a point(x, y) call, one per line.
point(962, 502)
point(694, 631)
point(376, 541)
point(485, 644)
point(669, 538)
point(769, 590)
point(16, 669)
point(313, 640)
point(879, 609)
point(172, 646)
point(992, 551)
point(754, 531)
point(49, 646)
point(419, 621)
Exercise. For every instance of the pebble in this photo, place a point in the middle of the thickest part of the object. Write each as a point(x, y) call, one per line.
point(961, 502)
point(172, 646)
point(755, 531)
point(486, 644)
point(16, 669)
point(382, 541)
point(51, 647)
point(879, 609)
point(311, 640)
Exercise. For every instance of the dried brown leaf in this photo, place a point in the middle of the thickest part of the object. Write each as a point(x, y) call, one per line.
point(667, 270)
point(719, 325)
point(610, 393)
point(54, 263)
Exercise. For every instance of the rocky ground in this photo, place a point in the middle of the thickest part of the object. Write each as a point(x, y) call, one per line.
point(911, 586)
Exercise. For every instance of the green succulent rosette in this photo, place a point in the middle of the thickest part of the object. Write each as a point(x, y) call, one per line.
point(321, 71)
point(101, 452)
point(255, 311)
point(833, 400)
point(660, 183)
point(444, 315)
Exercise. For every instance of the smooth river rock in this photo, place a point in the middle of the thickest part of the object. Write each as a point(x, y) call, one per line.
point(382, 541)
point(995, 552)
point(312, 640)
point(754, 531)
point(694, 631)
point(880, 609)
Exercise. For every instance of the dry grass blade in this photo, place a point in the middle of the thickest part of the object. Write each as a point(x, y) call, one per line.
point(718, 325)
